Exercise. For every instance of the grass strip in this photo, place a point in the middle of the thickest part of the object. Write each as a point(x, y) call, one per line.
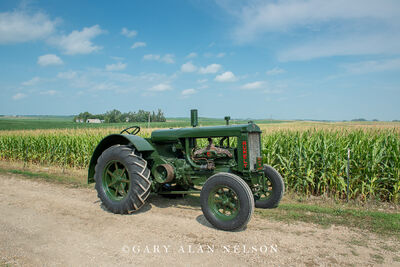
point(375, 221)
point(53, 178)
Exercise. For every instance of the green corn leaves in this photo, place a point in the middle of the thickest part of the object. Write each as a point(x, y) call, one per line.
point(312, 162)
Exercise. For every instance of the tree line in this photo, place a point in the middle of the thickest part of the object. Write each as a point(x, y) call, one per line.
point(115, 115)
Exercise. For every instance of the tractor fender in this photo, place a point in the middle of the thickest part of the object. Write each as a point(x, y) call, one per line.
point(140, 144)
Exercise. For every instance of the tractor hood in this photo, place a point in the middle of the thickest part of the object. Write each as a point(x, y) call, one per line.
point(203, 132)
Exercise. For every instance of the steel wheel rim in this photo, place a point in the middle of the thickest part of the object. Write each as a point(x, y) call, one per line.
point(261, 194)
point(115, 180)
point(224, 203)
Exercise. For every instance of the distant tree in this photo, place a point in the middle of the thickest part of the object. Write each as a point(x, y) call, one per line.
point(132, 116)
point(115, 115)
point(160, 116)
point(153, 117)
point(83, 116)
point(125, 117)
point(112, 116)
point(361, 119)
point(142, 116)
point(375, 120)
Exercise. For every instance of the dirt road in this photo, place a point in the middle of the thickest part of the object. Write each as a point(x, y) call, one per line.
point(46, 224)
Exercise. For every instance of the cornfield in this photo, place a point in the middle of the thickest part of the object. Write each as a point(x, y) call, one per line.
point(312, 162)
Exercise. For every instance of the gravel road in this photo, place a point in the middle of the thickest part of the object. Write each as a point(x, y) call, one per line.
point(48, 224)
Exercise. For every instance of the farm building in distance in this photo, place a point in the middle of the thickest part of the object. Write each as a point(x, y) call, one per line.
point(94, 121)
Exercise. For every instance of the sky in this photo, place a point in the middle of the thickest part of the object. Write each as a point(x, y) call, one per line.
point(280, 59)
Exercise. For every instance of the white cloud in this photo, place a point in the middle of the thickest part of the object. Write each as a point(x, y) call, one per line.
point(79, 42)
point(273, 91)
point(192, 55)
point(253, 85)
point(227, 76)
point(160, 87)
point(49, 92)
point(19, 96)
point(281, 16)
point(328, 28)
point(210, 55)
point(373, 66)
point(344, 46)
point(212, 68)
point(18, 26)
point(151, 57)
point(31, 82)
point(188, 92)
point(105, 86)
point(49, 59)
point(275, 71)
point(167, 58)
point(67, 75)
point(188, 67)
point(99, 79)
point(149, 77)
point(138, 44)
point(202, 80)
point(118, 58)
point(116, 66)
point(128, 33)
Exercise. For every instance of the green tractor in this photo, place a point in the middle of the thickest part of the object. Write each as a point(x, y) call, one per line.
point(222, 163)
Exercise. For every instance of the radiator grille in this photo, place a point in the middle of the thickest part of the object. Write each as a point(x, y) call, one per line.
point(254, 148)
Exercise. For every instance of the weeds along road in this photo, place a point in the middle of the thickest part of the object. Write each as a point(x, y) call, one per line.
point(48, 224)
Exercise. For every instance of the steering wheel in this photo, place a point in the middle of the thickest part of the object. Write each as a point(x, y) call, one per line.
point(135, 131)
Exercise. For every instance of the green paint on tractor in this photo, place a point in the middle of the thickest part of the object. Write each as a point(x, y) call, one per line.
point(222, 163)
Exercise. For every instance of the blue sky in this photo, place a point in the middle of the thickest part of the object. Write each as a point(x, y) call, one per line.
point(308, 59)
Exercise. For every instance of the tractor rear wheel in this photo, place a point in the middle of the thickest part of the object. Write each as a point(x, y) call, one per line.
point(271, 197)
point(122, 179)
point(227, 201)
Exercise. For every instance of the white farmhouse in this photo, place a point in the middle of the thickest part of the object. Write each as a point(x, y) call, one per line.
point(93, 121)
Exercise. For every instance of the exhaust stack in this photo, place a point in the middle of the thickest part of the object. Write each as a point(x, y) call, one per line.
point(194, 120)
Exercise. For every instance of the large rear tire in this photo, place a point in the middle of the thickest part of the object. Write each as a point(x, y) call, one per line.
point(227, 201)
point(276, 187)
point(122, 179)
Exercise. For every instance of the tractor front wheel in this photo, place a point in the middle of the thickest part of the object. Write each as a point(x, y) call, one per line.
point(275, 187)
point(227, 201)
point(122, 179)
